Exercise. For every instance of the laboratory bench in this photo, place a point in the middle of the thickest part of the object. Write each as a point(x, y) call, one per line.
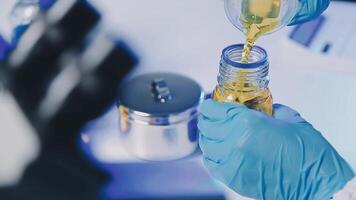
point(187, 37)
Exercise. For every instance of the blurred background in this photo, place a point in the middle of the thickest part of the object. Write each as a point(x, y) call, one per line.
point(312, 69)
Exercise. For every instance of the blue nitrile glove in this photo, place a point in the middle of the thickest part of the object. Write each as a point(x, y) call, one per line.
point(263, 157)
point(309, 9)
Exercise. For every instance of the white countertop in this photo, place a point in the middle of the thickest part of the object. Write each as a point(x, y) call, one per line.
point(187, 37)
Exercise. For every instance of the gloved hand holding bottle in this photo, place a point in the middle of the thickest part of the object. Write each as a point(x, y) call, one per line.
point(264, 157)
point(256, 18)
point(271, 157)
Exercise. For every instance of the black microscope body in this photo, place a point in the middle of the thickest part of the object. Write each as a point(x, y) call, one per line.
point(63, 73)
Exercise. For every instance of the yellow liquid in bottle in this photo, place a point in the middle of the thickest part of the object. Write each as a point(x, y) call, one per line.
point(258, 17)
point(251, 96)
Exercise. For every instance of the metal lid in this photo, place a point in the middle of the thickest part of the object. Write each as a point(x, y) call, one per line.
point(160, 94)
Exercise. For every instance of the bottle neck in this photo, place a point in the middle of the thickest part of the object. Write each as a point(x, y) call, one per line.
point(236, 75)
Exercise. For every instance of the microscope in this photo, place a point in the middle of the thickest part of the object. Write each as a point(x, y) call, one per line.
point(63, 73)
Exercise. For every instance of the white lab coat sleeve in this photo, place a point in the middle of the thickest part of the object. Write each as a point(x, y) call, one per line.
point(348, 193)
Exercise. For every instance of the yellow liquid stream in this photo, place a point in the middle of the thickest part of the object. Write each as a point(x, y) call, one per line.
point(258, 17)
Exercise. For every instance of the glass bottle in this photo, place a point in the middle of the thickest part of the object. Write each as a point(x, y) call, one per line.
point(256, 18)
point(244, 83)
point(270, 15)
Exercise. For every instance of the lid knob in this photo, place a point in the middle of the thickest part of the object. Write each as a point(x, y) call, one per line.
point(160, 90)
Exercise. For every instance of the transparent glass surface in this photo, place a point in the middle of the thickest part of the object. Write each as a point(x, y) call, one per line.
point(244, 83)
point(267, 15)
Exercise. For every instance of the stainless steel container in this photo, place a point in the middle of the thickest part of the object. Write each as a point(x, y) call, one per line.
point(158, 116)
